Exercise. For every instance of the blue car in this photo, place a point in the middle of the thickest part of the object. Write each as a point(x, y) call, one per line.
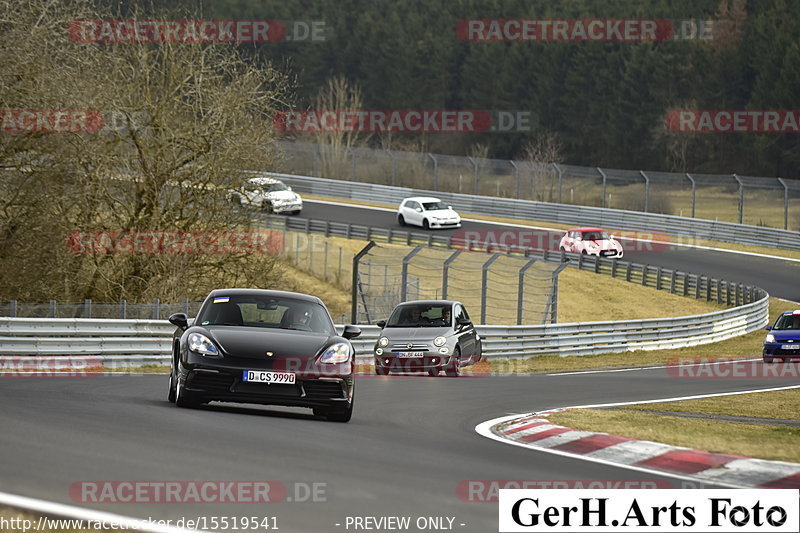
point(783, 339)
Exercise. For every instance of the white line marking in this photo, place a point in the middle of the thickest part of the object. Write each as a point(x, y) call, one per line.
point(649, 367)
point(70, 511)
point(485, 429)
point(557, 230)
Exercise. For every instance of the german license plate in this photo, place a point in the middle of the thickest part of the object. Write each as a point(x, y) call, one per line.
point(260, 376)
point(411, 354)
point(790, 347)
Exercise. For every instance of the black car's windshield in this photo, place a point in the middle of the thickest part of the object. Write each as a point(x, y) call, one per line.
point(266, 312)
point(788, 322)
point(433, 206)
point(420, 316)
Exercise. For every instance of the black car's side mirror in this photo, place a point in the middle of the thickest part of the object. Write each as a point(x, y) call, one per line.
point(351, 332)
point(179, 320)
point(381, 324)
point(464, 322)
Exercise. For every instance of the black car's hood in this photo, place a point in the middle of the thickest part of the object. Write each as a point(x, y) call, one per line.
point(255, 342)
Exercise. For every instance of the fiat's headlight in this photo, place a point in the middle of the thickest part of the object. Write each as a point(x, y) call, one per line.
point(770, 338)
point(383, 341)
point(202, 344)
point(439, 341)
point(336, 353)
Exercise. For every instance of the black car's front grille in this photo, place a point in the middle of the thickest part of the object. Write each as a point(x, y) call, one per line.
point(210, 381)
point(318, 388)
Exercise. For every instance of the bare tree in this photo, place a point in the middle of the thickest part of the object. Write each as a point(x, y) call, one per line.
point(540, 155)
point(181, 119)
point(338, 95)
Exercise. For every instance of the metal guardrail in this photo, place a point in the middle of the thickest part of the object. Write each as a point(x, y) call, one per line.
point(573, 215)
point(137, 342)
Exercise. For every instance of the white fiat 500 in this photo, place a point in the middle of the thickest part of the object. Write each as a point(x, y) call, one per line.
point(427, 212)
point(591, 241)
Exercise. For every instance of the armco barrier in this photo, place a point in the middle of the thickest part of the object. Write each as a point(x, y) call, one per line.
point(149, 342)
point(572, 215)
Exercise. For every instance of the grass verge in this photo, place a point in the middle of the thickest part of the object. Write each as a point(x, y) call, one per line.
point(736, 438)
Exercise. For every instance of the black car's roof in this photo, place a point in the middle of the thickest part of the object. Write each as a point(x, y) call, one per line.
point(263, 292)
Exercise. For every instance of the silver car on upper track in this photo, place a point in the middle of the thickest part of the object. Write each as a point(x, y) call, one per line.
point(427, 336)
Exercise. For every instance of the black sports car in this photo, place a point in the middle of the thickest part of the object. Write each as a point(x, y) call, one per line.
point(266, 347)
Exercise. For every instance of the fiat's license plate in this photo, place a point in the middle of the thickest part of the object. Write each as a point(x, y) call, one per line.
point(259, 376)
point(790, 347)
point(411, 354)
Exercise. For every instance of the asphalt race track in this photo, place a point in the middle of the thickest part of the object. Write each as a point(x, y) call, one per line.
point(779, 278)
point(410, 443)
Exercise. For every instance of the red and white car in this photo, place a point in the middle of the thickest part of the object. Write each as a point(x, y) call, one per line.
point(591, 241)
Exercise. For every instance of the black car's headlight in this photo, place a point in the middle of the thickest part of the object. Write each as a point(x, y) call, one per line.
point(202, 344)
point(337, 353)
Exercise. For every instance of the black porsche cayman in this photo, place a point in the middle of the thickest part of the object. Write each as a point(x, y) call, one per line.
point(266, 347)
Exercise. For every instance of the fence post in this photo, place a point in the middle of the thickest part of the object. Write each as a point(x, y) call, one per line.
point(521, 289)
point(186, 305)
point(354, 291)
point(87, 308)
point(516, 177)
point(325, 261)
point(315, 162)
point(394, 168)
point(646, 191)
point(658, 279)
point(785, 203)
point(698, 286)
point(600, 170)
point(741, 196)
point(484, 283)
point(353, 156)
point(404, 274)
point(694, 191)
point(445, 268)
point(435, 172)
point(123, 309)
point(644, 275)
point(614, 267)
point(708, 288)
point(672, 282)
point(719, 291)
point(12, 308)
point(156, 309)
point(52, 308)
point(474, 175)
point(560, 180)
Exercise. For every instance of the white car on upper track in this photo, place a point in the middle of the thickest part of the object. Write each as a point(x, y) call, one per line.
point(272, 195)
point(427, 212)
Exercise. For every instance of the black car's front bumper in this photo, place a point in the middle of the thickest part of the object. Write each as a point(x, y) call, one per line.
point(221, 379)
